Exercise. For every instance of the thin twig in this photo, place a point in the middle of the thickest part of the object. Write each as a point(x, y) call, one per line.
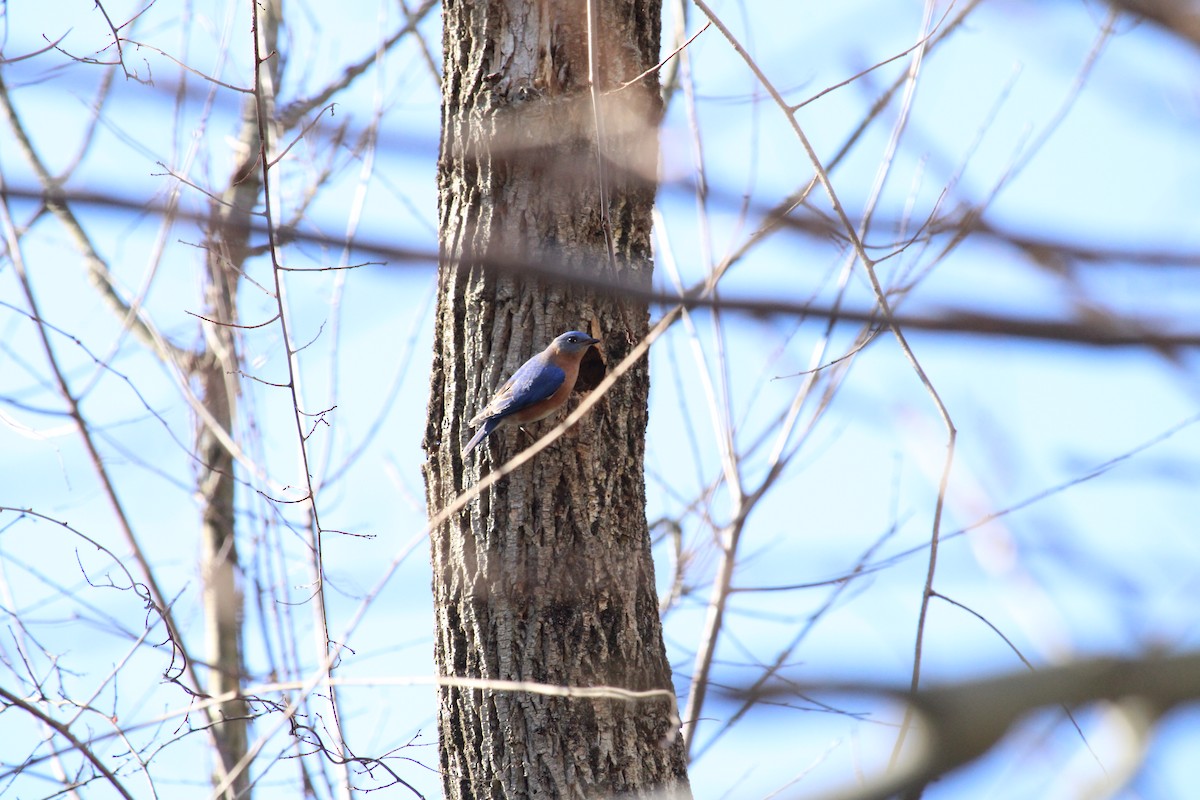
point(65, 732)
point(662, 63)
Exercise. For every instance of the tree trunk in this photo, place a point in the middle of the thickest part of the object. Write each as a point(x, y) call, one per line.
point(217, 370)
point(547, 576)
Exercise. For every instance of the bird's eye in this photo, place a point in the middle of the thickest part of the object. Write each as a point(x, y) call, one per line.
point(573, 339)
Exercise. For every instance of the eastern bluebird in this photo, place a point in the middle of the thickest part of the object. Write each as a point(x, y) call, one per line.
point(536, 390)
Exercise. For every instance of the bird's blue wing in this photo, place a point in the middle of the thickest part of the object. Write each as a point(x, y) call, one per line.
point(535, 381)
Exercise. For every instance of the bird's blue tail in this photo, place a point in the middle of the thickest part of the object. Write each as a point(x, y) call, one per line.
point(481, 434)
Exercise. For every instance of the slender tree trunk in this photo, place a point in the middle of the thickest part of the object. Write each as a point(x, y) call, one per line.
point(217, 370)
point(219, 556)
point(547, 576)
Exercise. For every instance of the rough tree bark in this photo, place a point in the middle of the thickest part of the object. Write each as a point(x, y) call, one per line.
point(547, 576)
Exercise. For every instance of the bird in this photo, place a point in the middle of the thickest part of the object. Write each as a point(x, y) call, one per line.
point(536, 390)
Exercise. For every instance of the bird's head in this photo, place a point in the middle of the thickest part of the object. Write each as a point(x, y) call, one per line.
point(573, 343)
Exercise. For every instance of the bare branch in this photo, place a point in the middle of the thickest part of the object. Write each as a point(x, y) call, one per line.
point(960, 722)
point(65, 732)
point(290, 116)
